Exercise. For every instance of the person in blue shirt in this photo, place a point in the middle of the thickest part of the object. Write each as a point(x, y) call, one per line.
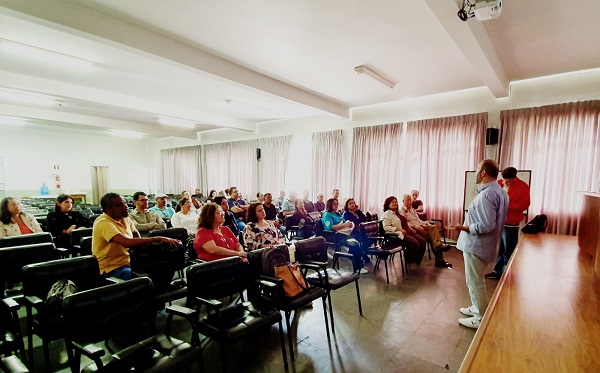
point(479, 239)
point(333, 221)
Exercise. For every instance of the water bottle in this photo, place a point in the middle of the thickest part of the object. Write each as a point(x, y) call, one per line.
point(44, 190)
point(292, 250)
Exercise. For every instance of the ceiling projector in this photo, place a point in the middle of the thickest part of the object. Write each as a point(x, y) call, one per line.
point(482, 10)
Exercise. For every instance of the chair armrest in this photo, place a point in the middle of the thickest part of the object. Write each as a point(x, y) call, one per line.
point(311, 263)
point(210, 303)
point(33, 301)
point(185, 312)
point(114, 280)
point(274, 280)
point(11, 304)
point(319, 270)
point(266, 284)
point(343, 255)
point(91, 351)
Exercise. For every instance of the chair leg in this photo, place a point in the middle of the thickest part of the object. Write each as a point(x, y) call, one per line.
point(289, 334)
point(282, 343)
point(47, 356)
point(328, 295)
point(402, 262)
point(223, 358)
point(325, 315)
point(358, 298)
point(429, 249)
point(387, 276)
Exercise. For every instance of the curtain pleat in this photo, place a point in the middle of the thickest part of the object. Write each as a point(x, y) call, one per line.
point(327, 162)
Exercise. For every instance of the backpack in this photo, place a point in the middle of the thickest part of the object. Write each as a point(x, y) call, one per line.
point(272, 256)
point(536, 225)
point(59, 290)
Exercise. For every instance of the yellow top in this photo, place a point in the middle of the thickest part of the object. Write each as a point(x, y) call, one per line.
point(111, 255)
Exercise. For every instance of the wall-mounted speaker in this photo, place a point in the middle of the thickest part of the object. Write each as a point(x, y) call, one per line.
point(258, 154)
point(491, 136)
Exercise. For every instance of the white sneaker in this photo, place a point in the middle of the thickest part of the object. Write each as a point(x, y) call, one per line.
point(363, 271)
point(469, 311)
point(470, 322)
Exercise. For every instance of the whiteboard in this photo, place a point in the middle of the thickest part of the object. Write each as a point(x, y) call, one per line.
point(471, 187)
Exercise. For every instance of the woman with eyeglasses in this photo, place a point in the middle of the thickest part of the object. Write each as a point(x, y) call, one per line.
point(14, 221)
point(213, 240)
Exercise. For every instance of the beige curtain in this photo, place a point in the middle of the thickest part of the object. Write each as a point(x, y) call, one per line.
point(439, 151)
point(273, 163)
point(327, 162)
point(377, 159)
point(232, 164)
point(181, 169)
point(560, 144)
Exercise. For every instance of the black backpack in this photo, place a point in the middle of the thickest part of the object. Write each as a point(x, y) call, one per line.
point(536, 225)
point(273, 256)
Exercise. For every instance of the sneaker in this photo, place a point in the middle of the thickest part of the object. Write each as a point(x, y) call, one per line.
point(493, 276)
point(470, 322)
point(469, 311)
point(363, 271)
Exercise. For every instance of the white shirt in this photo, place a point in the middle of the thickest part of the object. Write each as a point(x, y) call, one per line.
point(189, 221)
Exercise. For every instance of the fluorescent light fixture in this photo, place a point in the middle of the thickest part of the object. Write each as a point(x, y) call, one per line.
point(363, 69)
point(177, 122)
point(44, 55)
point(123, 133)
point(26, 97)
point(13, 121)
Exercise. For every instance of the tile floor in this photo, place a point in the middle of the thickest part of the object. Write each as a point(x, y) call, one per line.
point(409, 325)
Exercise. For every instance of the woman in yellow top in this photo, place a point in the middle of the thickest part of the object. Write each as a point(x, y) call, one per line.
point(14, 221)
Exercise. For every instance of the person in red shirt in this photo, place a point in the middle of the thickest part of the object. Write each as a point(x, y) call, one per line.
point(519, 200)
point(213, 240)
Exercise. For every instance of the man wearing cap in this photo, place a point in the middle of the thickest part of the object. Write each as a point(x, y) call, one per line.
point(161, 207)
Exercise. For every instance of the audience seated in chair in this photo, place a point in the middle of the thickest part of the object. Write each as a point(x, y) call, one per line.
point(308, 205)
point(319, 204)
point(260, 232)
point(161, 208)
point(114, 233)
point(287, 207)
point(213, 240)
point(63, 220)
point(144, 219)
point(302, 220)
point(230, 220)
point(392, 224)
point(417, 204)
point(333, 221)
point(352, 213)
point(186, 217)
point(238, 207)
point(426, 230)
point(14, 221)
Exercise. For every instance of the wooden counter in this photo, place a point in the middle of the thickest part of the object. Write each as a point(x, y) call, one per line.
point(589, 223)
point(545, 313)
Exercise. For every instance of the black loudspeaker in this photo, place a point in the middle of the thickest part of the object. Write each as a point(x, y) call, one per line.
point(258, 154)
point(491, 136)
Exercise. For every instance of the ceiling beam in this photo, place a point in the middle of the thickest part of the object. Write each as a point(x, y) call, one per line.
point(473, 41)
point(88, 23)
point(51, 115)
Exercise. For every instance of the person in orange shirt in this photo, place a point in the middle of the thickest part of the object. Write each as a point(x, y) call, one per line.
point(519, 200)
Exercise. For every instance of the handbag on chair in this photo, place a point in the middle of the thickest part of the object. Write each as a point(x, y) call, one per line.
point(293, 281)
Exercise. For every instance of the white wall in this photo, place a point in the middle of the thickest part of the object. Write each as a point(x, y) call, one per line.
point(30, 154)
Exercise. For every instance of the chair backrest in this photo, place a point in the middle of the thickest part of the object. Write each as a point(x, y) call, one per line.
point(180, 234)
point(85, 246)
point(369, 229)
point(312, 249)
point(78, 234)
point(12, 259)
point(255, 267)
point(216, 279)
point(159, 260)
point(319, 228)
point(39, 277)
point(98, 314)
point(26, 239)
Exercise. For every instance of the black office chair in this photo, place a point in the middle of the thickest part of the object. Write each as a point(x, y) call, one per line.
point(210, 281)
point(314, 251)
point(380, 246)
point(11, 338)
point(26, 239)
point(180, 234)
point(38, 278)
point(12, 364)
point(277, 298)
point(122, 309)
point(85, 245)
point(76, 236)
